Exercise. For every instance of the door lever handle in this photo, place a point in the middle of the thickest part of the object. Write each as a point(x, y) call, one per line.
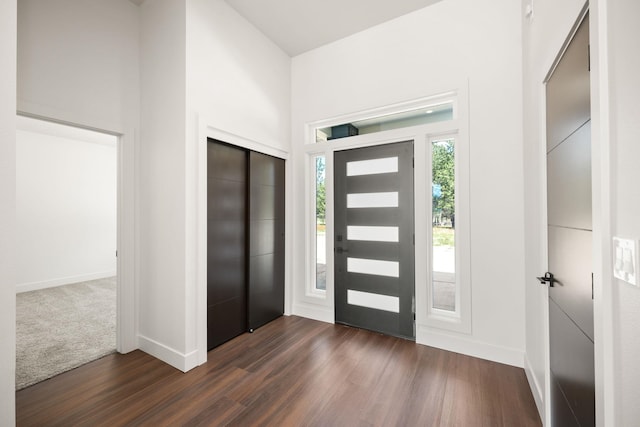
point(341, 250)
point(547, 278)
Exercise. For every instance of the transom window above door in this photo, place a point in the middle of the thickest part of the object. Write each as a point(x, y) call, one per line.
point(438, 111)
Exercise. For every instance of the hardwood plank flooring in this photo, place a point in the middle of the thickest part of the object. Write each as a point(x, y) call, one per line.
point(291, 372)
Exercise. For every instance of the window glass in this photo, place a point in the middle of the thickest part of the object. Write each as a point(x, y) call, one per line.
point(419, 116)
point(320, 224)
point(444, 224)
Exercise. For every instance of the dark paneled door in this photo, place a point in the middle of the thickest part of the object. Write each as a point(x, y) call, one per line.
point(245, 242)
point(226, 242)
point(570, 236)
point(266, 242)
point(374, 250)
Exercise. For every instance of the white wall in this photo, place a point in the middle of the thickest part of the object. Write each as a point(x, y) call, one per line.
point(202, 65)
point(624, 86)
point(422, 54)
point(238, 80)
point(7, 211)
point(88, 74)
point(78, 62)
point(162, 200)
point(543, 36)
point(66, 205)
point(239, 91)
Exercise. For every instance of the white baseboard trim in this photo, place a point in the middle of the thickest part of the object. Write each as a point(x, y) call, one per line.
point(534, 385)
point(314, 312)
point(191, 360)
point(178, 360)
point(35, 286)
point(469, 347)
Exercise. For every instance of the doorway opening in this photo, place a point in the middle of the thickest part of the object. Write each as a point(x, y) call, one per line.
point(66, 207)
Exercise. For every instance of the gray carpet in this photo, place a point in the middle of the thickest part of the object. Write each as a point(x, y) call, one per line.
point(61, 328)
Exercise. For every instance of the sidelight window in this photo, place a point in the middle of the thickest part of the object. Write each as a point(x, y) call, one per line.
point(320, 224)
point(443, 218)
point(448, 246)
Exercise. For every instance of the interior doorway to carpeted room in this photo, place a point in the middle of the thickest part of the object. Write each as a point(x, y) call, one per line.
point(66, 207)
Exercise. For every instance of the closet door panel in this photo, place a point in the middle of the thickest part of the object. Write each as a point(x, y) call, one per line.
point(245, 240)
point(266, 241)
point(262, 201)
point(230, 208)
point(226, 243)
point(228, 273)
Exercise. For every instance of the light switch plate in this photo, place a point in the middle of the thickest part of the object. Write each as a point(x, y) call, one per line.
point(625, 260)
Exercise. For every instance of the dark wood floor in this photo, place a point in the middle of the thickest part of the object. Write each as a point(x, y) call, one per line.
point(291, 372)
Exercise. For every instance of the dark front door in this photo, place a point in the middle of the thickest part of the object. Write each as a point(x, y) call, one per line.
point(569, 236)
point(374, 243)
point(226, 242)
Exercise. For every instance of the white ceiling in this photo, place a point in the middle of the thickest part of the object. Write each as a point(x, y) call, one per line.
point(301, 25)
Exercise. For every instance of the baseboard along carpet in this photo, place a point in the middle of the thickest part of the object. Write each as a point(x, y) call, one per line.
point(61, 328)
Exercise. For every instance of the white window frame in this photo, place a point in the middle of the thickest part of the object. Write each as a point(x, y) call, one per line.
point(458, 320)
point(427, 318)
point(311, 224)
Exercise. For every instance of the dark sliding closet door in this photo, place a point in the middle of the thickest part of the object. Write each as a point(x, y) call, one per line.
point(226, 241)
point(266, 243)
point(245, 221)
